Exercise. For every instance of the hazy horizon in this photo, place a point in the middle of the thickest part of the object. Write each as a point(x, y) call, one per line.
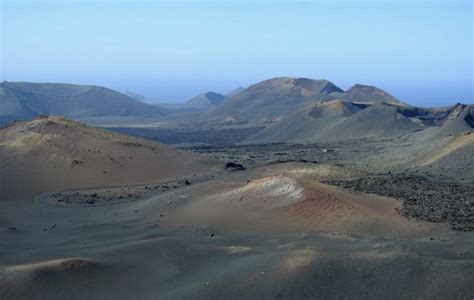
point(421, 52)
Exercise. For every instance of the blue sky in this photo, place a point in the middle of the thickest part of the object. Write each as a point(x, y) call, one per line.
point(420, 51)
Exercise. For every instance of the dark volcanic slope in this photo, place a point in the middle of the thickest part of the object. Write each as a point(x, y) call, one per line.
point(378, 120)
point(271, 99)
point(25, 100)
point(338, 120)
point(306, 125)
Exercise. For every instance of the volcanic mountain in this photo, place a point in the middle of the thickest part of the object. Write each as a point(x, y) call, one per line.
point(52, 154)
point(271, 99)
point(205, 101)
point(25, 100)
point(370, 94)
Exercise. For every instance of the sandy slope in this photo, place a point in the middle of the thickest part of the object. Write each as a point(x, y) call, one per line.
point(270, 232)
point(203, 241)
point(290, 200)
point(452, 145)
point(54, 154)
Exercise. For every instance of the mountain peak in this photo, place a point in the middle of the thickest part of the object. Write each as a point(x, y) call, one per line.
point(331, 88)
point(334, 108)
point(370, 94)
point(314, 86)
point(363, 87)
point(213, 95)
point(206, 100)
point(321, 86)
point(269, 100)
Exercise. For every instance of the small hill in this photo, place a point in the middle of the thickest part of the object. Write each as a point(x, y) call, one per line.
point(205, 101)
point(335, 108)
point(25, 100)
point(270, 100)
point(235, 92)
point(370, 94)
point(52, 154)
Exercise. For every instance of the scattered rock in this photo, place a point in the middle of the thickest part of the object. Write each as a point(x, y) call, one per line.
point(50, 227)
point(76, 162)
point(231, 166)
point(423, 199)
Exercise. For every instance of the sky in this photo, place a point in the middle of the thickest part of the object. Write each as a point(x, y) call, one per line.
point(419, 51)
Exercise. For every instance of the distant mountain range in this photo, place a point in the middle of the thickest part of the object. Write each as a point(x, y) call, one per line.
point(292, 109)
point(24, 100)
point(264, 102)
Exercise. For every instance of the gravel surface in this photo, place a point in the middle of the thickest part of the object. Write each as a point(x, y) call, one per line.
point(423, 198)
